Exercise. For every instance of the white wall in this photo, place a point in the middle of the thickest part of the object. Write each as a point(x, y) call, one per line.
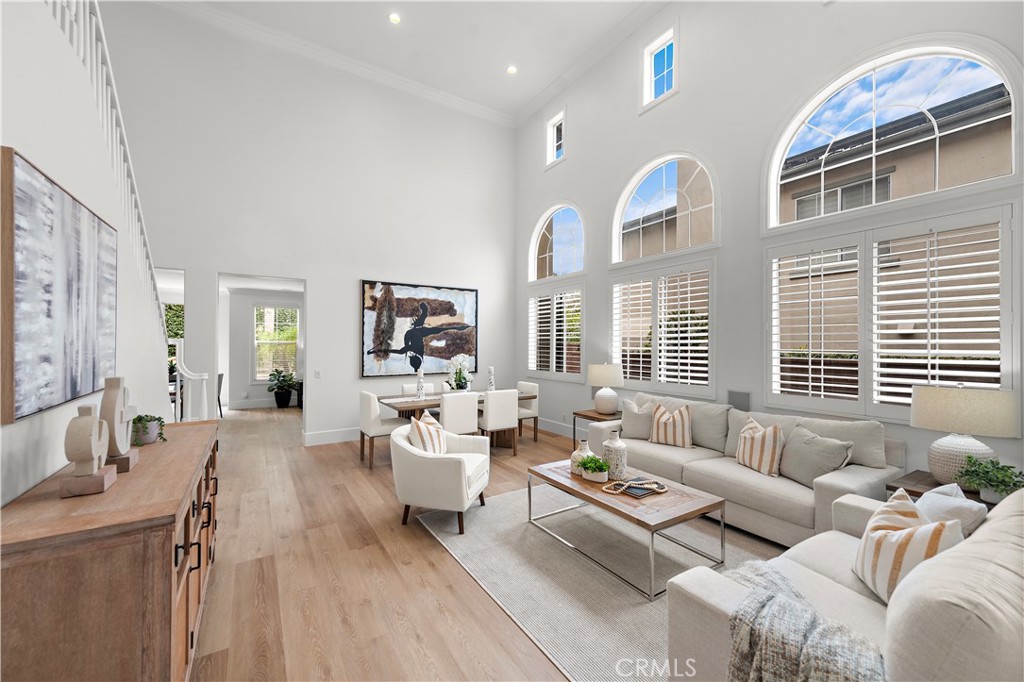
point(255, 162)
point(49, 116)
point(745, 70)
point(241, 391)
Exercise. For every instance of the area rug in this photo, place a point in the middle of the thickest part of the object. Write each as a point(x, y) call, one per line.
point(591, 625)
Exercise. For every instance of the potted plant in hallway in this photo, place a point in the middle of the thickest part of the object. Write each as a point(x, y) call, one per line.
point(146, 429)
point(281, 385)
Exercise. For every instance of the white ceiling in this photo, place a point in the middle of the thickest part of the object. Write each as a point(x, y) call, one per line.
point(455, 51)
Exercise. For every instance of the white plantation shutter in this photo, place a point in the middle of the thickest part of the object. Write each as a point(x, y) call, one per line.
point(683, 306)
point(554, 333)
point(936, 313)
point(815, 312)
point(632, 310)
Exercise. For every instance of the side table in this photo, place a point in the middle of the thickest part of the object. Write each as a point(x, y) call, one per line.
point(590, 415)
point(917, 483)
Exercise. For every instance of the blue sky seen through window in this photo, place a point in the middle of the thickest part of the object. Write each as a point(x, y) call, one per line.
point(567, 241)
point(662, 71)
point(891, 93)
point(656, 192)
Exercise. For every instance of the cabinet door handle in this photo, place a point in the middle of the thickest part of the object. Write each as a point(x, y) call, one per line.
point(179, 551)
point(195, 509)
point(199, 556)
point(209, 516)
point(216, 486)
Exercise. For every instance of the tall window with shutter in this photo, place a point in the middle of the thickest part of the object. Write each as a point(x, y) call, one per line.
point(555, 333)
point(632, 315)
point(936, 312)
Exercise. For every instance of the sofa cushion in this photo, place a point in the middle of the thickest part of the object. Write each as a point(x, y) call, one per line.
point(671, 427)
point(760, 448)
point(831, 554)
point(808, 455)
point(709, 422)
point(948, 502)
point(861, 614)
point(666, 461)
point(960, 616)
point(898, 539)
point(868, 436)
point(776, 496)
point(636, 420)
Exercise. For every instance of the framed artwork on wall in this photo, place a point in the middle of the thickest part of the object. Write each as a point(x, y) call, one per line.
point(58, 293)
point(406, 327)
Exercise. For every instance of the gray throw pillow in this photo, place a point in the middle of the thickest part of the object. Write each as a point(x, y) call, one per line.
point(807, 456)
point(636, 421)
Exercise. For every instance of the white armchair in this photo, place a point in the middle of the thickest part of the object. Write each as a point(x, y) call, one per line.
point(371, 425)
point(529, 409)
point(450, 481)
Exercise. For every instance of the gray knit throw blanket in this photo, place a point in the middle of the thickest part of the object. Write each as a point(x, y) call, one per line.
point(778, 637)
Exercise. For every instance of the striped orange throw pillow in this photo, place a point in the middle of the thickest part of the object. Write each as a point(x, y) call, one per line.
point(671, 428)
point(428, 435)
point(899, 537)
point(760, 448)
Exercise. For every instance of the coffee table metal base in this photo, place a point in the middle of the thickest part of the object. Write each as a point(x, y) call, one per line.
point(649, 593)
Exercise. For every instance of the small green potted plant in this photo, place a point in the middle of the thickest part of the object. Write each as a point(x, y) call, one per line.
point(146, 429)
point(994, 480)
point(281, 385)
point(594, 469)
point(172, 369)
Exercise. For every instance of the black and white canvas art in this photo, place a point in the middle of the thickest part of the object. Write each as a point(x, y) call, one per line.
point(65, 295)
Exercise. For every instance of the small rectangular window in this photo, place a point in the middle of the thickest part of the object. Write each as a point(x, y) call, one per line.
point(853, 195)
point(555, 138)
point(659, 68)
point(276, 333)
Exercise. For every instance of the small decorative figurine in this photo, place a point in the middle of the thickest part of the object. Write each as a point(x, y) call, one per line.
point(420, 388)
point(85, 445)
point(116, 412)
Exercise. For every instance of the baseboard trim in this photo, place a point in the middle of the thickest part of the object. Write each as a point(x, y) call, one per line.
point(558, 427)
point(331, 436)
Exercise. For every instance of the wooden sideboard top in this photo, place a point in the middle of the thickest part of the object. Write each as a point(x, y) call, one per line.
point(151, 494)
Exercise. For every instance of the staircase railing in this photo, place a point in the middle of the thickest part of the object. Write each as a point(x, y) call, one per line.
point(184, 400)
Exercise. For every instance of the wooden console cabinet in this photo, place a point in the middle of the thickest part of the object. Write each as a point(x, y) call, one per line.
point(111, 586)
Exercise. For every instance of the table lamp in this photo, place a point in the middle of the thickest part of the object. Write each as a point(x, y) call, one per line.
point(963, 413)
point(606, 401)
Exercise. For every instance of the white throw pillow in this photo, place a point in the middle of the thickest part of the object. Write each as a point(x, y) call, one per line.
point(948, 502)
point(636, 421)
point(671, 428)
point(428, 435)
point(898, 538)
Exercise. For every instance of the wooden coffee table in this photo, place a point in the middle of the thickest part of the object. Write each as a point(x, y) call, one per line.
point(654, 513)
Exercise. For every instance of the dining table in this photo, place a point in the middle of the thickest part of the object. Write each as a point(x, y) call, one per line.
point(412, 406)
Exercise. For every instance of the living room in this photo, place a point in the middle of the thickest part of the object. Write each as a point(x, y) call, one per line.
point(329, 145)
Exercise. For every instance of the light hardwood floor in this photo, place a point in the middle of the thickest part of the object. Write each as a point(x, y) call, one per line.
point(316, 579)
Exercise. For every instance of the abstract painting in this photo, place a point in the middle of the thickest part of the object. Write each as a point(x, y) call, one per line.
point(60, 324)
point(409, 326)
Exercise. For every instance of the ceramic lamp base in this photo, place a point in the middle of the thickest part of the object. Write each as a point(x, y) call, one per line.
point(606, 401)
point(948, 455)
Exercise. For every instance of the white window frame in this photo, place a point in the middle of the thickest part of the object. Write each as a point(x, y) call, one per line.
point(708, 392)
point(253, 380)
point(568, 284)
point(1002, 213)
point(551, 149)
point(647, 99)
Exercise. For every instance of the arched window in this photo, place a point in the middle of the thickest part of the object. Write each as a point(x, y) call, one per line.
point(558, 244)
point(912, 123)
point(671, 207)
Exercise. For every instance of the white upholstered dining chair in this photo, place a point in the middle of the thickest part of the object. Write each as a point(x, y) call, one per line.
point(529, 409)
point(451, 481)
point(459, 411)
point(501, 413)
point(371, 425)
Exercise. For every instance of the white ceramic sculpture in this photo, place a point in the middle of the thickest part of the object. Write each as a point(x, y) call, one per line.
point(118, 415)
point(85, 442)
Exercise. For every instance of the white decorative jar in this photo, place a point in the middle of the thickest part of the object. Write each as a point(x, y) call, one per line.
point(574, 460)
point(991, 496)
point(614, 453)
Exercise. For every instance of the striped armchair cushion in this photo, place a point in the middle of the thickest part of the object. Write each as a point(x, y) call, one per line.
point(428, 435)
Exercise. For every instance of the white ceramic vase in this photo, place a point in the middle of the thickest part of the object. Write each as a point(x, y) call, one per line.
point(574, 460)
point(614, 453)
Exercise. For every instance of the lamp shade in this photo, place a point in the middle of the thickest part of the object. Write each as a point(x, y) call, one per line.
point(969, 411)
point(605, 375)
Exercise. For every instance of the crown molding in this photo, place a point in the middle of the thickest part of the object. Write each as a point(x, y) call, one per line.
point(285, 42)
point(643, 13)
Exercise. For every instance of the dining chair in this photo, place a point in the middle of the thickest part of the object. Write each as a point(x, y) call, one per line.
point(452, 481)
point(529, 409)
point(371, 425)
point(459, 412)
point(501, 413)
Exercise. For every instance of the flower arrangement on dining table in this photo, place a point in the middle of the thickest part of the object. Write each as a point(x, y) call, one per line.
point(459, 377)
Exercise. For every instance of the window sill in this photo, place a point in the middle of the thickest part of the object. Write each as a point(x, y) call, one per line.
point(551, 376)
point(551, 164)
point(655, 102)
point(680, 256)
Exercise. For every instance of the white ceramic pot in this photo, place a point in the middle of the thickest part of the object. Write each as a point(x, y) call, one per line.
point(991, 496)
point(596, 476)
point(148, 433)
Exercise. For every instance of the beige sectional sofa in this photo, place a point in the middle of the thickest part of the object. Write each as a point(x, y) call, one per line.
point(956, 616)
point(776, 508)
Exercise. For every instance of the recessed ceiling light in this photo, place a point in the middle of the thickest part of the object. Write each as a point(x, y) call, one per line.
point(394, 18)
point(511, 69)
